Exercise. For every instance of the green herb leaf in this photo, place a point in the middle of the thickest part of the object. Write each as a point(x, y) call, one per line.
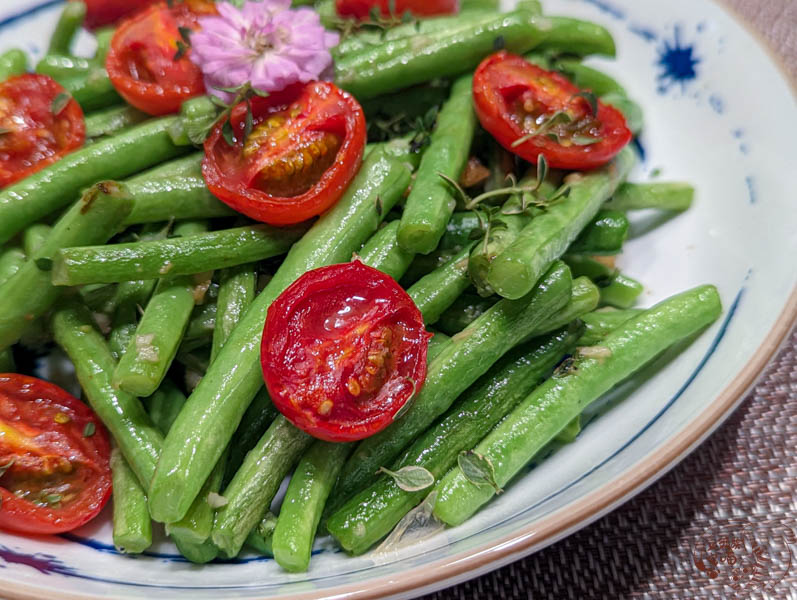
point(228, 133)
point(410, 478)
point(379, 206)
point(7, 466)
point(52, 498)
point(4, 130)
point(185, 33)
point(406, 406)
point(457, 188)
point(591, 99)
point(44, 264)
point(391, 7)
point(89, 429)
point(59, 103)
point(182, 48)
point(585, 140)
point(478, 469)
point(249, 122)
point(499, 43)
point(542, 170)
point(229, 90)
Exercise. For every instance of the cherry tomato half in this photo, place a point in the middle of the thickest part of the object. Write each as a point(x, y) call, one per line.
point(54, 458)
point(305, 147)
point(344, 348)
point(106, 12)
point(147, 65)
point(361, 9)
point(36, 129)
point(531, 111)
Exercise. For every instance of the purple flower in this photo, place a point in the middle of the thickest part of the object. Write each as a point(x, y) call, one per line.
point(266, 43)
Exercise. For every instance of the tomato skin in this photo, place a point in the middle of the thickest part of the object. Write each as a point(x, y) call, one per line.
point(341, 349)
point(44, 138)
point(361, 9)
point(502, 78)
point(321, 107)
point(35, 436)
point(106, 12)
point(141, 65)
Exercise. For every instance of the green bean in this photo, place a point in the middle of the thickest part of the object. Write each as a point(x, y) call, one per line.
point(464, 310)
point(435, 292)
point(132, 527)
point(616, 289)
point(11, 261)
point(374, 511)
point(201, 326)
point(304, 502)
point(459, 229)
point(112, 120)
point(600, 323)
point(588, 78)
point(175, 256)
point(30, 293)
point(85, 79)
point(103, 37)
point(382, 251)
point(423, 264)
point(69, 23)
point(196, 553)
point(622, 292)
point(547, 236)
point(176, 197)
point(7, 364)
point(188, 165)
point(431, 202)
point(206, 424)
point(197, 116)
point(123, 414)
point(634, 117)
point(34, 237)
point(584, 298)
point(674, 196)
point(408, 61)
point(577, 37)
point(164, 405)
point(256, 420)
point(236, 294)
point(549, 408)
point(570, 432)
point(468, 356)
point(256, 482)
point(13, 62)
point(261, 536)
point(56, 185)
point(160, 330)
point(365, 39)
point(605, 234)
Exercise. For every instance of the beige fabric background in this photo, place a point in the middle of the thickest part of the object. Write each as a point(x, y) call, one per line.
point(777, 21)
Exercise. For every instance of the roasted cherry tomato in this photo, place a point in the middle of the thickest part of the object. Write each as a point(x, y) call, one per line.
point(304, 148)
point(148, 61)
point(39, 123)
point(531, 111)
point(106, 12)
point(343, 350)
point(361, 9)
point(54, 458)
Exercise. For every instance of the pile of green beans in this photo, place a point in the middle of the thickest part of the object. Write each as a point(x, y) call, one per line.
point(158, 292)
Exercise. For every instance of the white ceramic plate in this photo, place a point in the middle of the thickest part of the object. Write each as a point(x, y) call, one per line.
point(719, 113)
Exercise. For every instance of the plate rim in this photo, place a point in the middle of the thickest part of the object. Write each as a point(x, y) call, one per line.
point(487, 557)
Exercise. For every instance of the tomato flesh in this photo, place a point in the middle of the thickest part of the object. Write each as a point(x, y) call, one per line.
point(304, 148)
point(361, 9)
point(33, 135)
point(531, 111)
point(343, 349)
point(54, 458)
point(106, 12)
point(144, 64)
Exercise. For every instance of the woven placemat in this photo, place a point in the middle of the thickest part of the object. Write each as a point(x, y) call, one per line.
point(722, 524)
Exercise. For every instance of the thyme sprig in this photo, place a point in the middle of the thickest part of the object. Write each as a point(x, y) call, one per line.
point(243, 93)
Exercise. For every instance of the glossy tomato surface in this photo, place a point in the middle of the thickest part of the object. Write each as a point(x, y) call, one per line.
point(54, 458)
point(361, 9)
point(40, 123)
point(531, 111)
point(343, 350)
point(107, 12)
point(305, 146)
point(148, 60)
